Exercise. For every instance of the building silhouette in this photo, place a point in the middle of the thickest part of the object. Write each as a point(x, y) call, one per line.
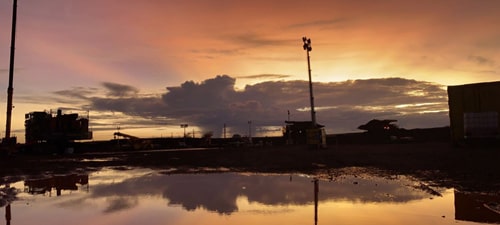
point(474, 112)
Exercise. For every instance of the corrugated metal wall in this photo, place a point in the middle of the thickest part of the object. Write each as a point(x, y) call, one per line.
point(471, 98)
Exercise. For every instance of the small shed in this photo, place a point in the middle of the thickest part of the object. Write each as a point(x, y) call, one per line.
point(304, 132)
point(474, 111)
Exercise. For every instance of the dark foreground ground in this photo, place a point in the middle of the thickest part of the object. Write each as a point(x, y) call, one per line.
point(471, 168)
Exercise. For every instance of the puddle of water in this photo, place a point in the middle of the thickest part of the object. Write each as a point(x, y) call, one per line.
point(143, 196)
point(100, 159)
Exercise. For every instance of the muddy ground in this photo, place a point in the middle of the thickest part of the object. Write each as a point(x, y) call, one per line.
point(470, 168)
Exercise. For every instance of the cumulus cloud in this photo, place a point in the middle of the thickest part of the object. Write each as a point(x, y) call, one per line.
point(340, 106)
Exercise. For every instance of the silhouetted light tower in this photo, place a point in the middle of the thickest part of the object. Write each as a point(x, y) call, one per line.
point(10, 89)
point(308, 48)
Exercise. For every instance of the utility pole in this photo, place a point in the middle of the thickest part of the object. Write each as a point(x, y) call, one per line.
point(250, 131)
point(10, 89)
point(224, 131)
point(184, 125)
point(308, 48)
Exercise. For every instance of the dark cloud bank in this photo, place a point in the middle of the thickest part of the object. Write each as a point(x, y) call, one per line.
point(340, 106)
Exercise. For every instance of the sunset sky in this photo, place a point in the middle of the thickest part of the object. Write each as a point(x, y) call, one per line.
point(148, 66)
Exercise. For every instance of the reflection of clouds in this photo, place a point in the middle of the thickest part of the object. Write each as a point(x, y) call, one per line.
point(120, 203)
point(7, 195)
point(214, 193)
point(117, 175)
point(148, 184)
point(219, 192)
point(367, 188)
point(74, 203)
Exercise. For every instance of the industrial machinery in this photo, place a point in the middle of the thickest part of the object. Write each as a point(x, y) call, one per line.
point(60, 128)
point(131, 142)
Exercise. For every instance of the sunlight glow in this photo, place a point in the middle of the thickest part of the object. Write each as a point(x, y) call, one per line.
point(433, 111)
point(416, 93)
point(373, 108)
point(417, 105)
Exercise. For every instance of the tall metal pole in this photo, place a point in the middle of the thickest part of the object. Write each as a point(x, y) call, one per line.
point(10, 89)
point(308, 48)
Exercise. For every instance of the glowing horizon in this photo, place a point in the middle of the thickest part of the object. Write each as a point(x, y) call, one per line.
point(153, 45)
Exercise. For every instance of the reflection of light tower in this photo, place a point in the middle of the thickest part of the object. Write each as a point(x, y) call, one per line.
point(316, 191)
point(8, 215)
point(308, 48)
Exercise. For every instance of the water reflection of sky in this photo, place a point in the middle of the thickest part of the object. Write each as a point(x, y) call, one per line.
point(141, 196)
